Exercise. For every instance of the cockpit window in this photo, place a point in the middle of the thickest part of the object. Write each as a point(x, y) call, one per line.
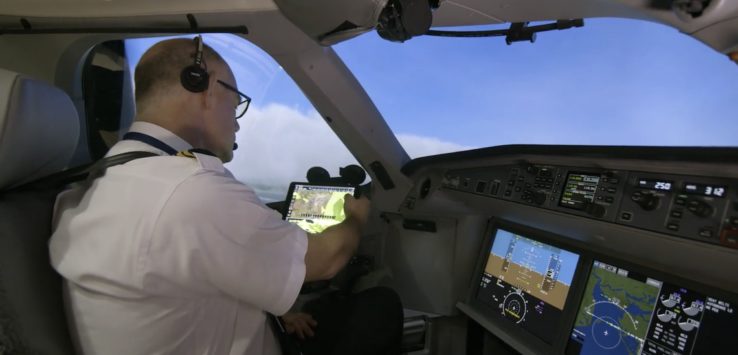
point(106, 89)
point(611, 82)
point(281, 135)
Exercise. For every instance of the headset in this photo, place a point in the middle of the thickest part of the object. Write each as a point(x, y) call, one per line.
point(195, 77)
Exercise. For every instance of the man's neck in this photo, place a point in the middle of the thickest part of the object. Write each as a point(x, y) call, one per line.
point(179, 125)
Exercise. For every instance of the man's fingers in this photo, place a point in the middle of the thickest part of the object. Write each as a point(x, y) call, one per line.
point(309, 332)
point(300, 334)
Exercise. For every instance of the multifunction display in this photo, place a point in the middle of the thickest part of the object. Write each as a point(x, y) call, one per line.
point(623, 312)
point(527, 282)
point(579, 190)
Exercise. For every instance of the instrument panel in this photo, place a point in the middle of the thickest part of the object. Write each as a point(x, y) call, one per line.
point(582, 236)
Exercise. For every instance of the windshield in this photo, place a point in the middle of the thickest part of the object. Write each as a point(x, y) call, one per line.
point(611, 82)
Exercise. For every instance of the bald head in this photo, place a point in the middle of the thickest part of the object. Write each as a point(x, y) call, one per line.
point(160, 67)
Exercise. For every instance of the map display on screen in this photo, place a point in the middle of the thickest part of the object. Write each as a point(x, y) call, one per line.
point(624, 312)
point(616, 310)
point(315, 208)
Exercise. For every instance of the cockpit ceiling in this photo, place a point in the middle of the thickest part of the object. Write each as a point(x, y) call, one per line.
point(476, 12)
point(716, 25)
point(127, 8)
point(450, 12)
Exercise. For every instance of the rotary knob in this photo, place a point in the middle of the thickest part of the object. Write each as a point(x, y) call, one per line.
point(647, 200)
point(700, 208)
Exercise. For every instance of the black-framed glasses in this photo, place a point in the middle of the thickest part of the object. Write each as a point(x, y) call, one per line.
point(243, 100)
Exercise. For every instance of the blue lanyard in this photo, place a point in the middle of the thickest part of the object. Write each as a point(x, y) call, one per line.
point(145, 138)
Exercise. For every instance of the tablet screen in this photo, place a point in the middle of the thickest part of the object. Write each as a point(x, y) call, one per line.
point(316, 207)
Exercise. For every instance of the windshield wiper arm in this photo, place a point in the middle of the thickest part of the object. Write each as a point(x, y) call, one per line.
point(518, 31)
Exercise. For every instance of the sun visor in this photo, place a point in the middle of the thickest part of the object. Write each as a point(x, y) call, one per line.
point(333, 21)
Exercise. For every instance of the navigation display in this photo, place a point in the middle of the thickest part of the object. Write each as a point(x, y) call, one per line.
point(527, 282)
point(579, 190)
point(315, 208)
point(626, 313)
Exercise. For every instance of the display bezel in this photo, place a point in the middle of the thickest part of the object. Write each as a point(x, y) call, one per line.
point(504, 327)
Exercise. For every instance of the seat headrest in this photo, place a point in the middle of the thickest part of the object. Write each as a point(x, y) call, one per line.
point(39, 129)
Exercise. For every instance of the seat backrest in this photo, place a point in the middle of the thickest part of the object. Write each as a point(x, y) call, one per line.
point(39, 129)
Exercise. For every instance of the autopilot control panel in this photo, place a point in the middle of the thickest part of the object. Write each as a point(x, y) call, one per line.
point(694, 207)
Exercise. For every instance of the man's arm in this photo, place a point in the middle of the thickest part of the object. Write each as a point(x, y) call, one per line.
point(330, 250)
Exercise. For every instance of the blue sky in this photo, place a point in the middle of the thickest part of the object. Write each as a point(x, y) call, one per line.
point(613, 81)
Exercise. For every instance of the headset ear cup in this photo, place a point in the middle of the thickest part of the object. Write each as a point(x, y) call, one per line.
point(194, 78)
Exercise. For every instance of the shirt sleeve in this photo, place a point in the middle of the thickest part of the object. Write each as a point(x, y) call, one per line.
point(215, 236)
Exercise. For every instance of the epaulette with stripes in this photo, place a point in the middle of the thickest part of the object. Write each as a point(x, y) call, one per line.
point(204, 157)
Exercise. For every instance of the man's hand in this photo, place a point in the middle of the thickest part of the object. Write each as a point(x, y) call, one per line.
point(358, 209)
point(300, 323)
point(329, 251)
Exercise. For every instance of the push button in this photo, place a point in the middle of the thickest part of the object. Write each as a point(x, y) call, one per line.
point(626, 216)
point(672, 227)
point(676, 214)
point(706, 233)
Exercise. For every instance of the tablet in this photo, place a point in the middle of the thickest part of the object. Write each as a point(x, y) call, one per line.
point(315, 207)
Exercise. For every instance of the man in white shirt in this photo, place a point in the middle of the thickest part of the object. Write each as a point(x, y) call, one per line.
point(170, 254)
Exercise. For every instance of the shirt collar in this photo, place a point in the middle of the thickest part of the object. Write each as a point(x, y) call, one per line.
point(162, 134)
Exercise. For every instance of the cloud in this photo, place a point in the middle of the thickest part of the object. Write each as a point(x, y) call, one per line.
point(277, 144)
point(418, 146)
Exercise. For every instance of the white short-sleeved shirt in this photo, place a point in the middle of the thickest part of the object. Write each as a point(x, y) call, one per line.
point(172, 255)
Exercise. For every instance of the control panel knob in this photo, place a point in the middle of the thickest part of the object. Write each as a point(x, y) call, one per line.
point(648, 201)
point(539, 197)
point(594, 210)
point(700, 208)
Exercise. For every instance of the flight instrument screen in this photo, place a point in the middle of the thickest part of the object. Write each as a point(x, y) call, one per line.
point(527, 282)
point(623, 312)
point(315, 208)
point(579, 190)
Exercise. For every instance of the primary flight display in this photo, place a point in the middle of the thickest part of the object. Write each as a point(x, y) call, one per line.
point(527, 282)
